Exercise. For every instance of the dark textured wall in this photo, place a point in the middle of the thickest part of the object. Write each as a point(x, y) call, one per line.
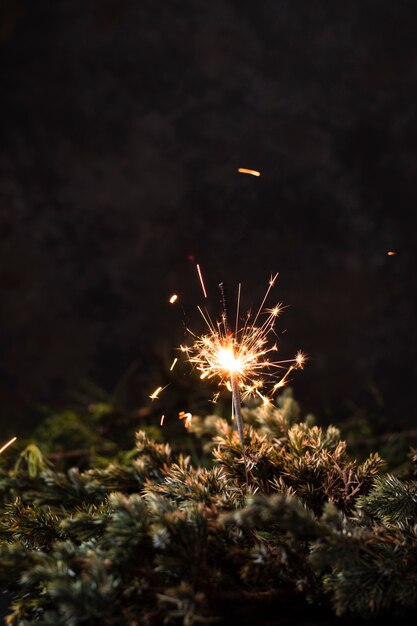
point(122, 125)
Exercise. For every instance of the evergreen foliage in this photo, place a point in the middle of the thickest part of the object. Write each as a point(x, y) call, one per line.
point(159, 539)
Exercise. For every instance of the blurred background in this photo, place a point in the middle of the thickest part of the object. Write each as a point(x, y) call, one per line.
point(122, 128)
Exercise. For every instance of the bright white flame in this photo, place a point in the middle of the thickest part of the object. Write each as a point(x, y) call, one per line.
point(248, 355)
point(228, 361)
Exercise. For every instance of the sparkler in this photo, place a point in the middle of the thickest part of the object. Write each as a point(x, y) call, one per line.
point(240, 359)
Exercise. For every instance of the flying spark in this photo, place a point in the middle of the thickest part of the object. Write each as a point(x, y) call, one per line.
point(174, 362)
point(161, 423)
point(155, 394)
point(6, 445)
point(391, 253)
point(244, 170)
point(173, 298)
point(201, 281)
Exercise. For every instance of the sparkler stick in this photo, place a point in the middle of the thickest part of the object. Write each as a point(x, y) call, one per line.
point(233, 376)
point(234, 383)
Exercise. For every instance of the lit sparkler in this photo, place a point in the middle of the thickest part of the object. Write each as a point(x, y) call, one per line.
point(241, 359)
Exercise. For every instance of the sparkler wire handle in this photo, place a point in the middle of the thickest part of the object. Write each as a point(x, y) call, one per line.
point(239, 420)
point(234, 383)
point(225, 309)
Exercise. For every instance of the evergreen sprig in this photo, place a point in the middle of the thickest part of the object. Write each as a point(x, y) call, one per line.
point(162, 540)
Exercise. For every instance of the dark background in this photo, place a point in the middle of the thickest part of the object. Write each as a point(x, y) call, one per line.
point(122, 125)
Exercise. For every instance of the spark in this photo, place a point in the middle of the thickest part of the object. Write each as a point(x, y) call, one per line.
point(270, 285)
point(155, 394)
point(244, 170)
point(173, 298)
point(201, 281)
point(6, 445)
point(300, 359)
point(391, 253)
point(174, 362)
point(185, 416)
point(161, 423)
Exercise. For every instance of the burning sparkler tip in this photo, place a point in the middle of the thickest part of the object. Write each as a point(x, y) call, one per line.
point(243, 353)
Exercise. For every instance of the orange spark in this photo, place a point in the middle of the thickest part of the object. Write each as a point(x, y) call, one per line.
point(6, 445)
point(185, 416)
point(161, 423)
point(244, 170)
point(174, 362)
point(391, 253)
point(173, 298)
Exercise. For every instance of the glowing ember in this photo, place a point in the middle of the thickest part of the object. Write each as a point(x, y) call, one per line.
point(187, 417)
point(161, 423)
point(173, 298)
point(244, 170)
point(6, 445)
point(391, 253)
point(174, 362)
